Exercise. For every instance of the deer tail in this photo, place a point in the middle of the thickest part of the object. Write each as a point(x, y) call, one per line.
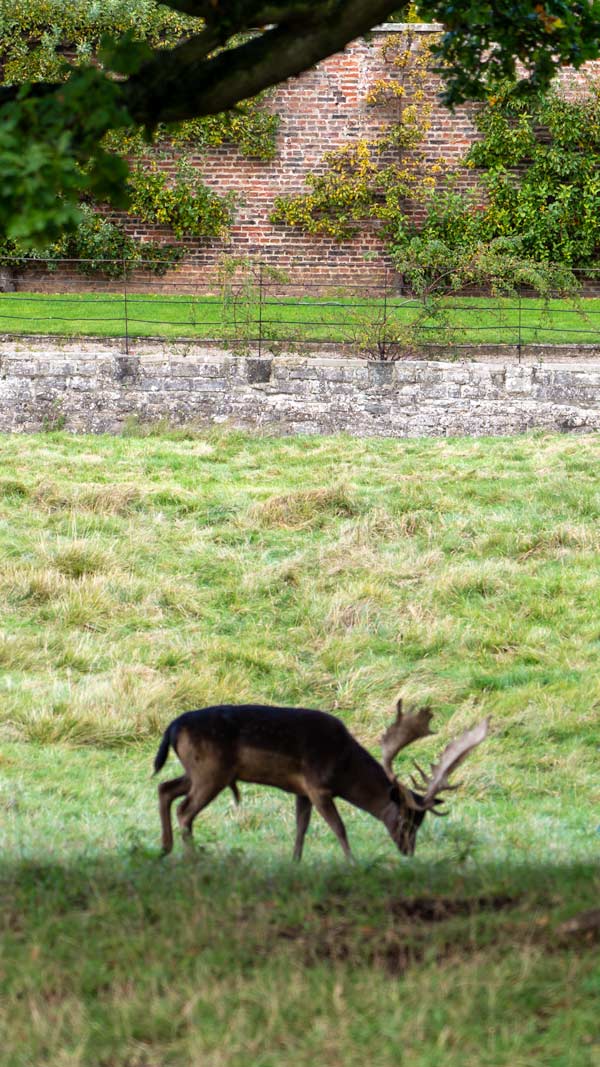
point(163, 750)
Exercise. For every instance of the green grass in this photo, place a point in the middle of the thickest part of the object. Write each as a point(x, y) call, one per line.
point(141, 576)
point(358, 322)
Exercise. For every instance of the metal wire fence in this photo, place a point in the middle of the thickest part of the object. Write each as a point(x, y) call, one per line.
point(259, 310)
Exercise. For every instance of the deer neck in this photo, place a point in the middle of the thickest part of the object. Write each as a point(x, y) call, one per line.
point(368, 787)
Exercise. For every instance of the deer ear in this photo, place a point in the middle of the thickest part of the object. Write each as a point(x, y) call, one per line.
point(395, 794)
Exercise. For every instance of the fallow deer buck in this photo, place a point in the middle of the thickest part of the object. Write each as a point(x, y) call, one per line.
point(309, 753)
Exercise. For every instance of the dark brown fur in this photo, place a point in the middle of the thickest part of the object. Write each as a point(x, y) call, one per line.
point(302, 751)
point(308, 753)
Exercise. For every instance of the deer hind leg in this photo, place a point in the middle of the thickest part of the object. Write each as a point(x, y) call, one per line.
point(167, 792)
point(199, 797)
point(323, 802)
point(303, 814)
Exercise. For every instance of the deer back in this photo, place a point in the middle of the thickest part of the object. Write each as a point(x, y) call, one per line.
point(280, 746)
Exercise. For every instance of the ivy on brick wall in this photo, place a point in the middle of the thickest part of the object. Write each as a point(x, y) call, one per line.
point(249, 126)
point(182, 202)
point(537, 194)
point(522, 210)
point(97, 245)
point(540, 165)
point(374, 177)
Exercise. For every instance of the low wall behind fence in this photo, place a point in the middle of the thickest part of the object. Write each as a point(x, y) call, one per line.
point(95, 387)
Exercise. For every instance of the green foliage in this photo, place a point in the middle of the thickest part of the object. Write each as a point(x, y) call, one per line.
point(185, 204)
point(372, 178)
point(552, 199)
point(249, 126)
point(433, 266)
point(538, 201)
point(36, 35)
point(340, 199)
point(96, 245)
point(50, 148)
point(65, 145)
point(482, 42)
point(252, 129)
point(37, 38)
point(105, 247)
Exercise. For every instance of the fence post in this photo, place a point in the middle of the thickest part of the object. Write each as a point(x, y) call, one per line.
point(520, 335)
point(123, 265)
point(383, 349)
point(260, 308)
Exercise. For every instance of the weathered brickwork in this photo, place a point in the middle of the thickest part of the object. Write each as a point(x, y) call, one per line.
point(95, 387)
point(320, 111)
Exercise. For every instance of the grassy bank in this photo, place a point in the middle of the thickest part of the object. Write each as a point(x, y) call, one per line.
point(141, 576)
point(350, 320)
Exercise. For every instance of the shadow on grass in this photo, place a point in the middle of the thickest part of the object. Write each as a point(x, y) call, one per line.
point(239, 910)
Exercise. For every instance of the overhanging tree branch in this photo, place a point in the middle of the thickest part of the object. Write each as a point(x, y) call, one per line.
point(175, 86)
point(182, 83)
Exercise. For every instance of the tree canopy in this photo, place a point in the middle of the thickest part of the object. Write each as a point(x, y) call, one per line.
point(218, 53)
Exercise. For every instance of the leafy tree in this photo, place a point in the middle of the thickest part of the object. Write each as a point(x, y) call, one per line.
point(51, 130)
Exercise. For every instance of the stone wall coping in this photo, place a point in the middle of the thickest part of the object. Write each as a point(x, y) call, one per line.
point(542, 356)
point(223, 357)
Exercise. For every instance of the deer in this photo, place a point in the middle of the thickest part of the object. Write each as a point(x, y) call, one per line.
point(308, 753)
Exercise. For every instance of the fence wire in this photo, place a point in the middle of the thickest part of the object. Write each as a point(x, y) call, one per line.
point(259, 310)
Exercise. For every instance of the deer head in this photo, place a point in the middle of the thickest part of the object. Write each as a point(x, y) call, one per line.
point(409, 805)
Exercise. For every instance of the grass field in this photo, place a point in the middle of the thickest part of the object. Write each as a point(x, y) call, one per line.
point(466, 320)
point(143, 575)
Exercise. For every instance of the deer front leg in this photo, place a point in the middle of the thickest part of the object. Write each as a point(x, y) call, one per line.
point(323, 802)
point(199, 798)
point(167, 792)
point(303, 814)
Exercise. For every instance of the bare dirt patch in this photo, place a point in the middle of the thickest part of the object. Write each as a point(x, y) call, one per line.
point(335, 939)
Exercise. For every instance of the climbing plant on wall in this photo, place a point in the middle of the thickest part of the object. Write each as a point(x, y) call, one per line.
point(522, 208)
point(373, 177)
point(540, 168)
point(536, 197)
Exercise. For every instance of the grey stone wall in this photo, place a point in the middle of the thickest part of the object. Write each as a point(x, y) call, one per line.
point(94, 387)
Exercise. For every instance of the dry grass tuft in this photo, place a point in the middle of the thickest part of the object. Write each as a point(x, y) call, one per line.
point(373, 527)
point(29, 583)
point(558, 542)
point(305, 509)
point(13, 487)
point(116, 499)
point(79, 558)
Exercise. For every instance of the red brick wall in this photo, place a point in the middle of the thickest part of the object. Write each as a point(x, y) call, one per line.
point(320, 110)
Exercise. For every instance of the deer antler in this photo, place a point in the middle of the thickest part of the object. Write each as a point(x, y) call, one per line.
point(404, 730)
point(437, 780)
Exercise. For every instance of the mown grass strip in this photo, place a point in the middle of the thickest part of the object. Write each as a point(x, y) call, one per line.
point(347, 320)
